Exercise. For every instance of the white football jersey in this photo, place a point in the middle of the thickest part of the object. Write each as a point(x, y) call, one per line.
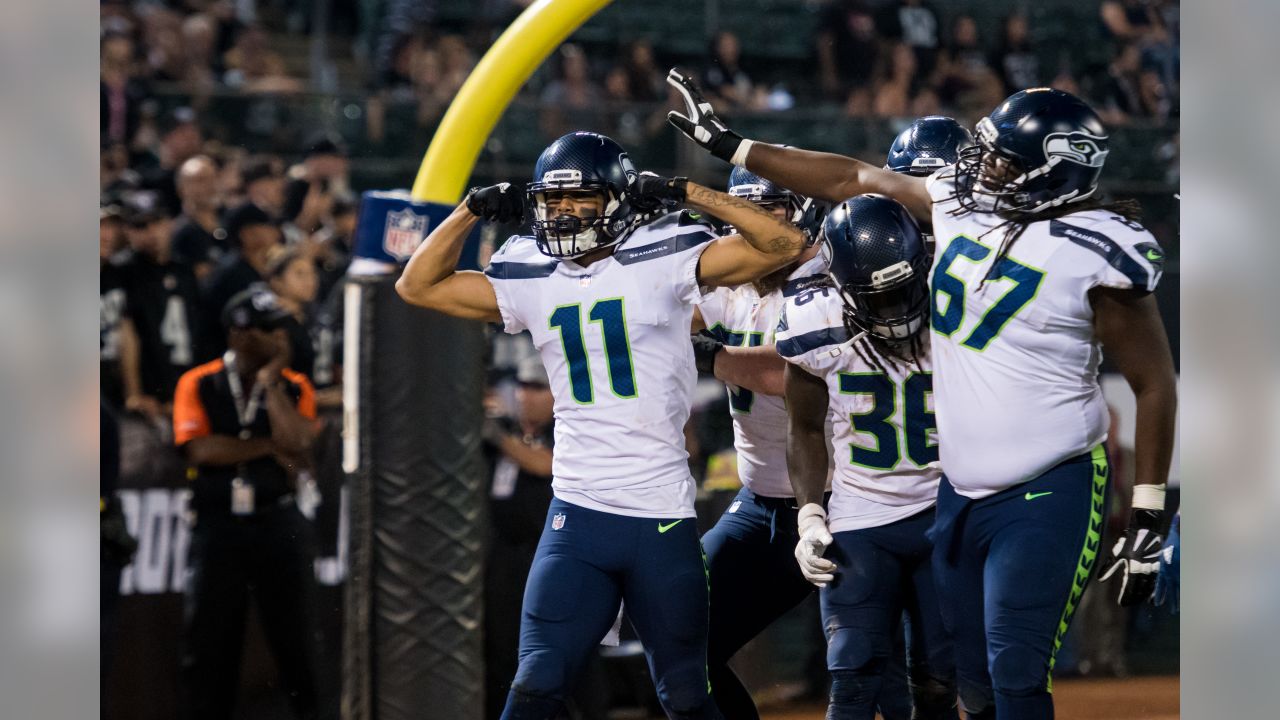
point(740, 316)
point(1016, 357)
point(882, 424)
point(614, 338)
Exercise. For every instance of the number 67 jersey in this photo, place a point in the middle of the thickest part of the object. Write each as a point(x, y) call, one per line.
point(614, 339)
point(1014, 347)
point(880, 408)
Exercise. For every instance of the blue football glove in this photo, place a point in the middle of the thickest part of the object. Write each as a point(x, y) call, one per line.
point(1169, 579)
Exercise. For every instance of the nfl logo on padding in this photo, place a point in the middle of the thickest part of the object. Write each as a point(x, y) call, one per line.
point(557, 522)
point(405, 231)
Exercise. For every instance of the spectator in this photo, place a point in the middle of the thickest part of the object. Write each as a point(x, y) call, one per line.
point(893, 93)
point(163, 305)
point(115, 177)
point(314, 184)
point(456, 63)
point(916, 24)
point(254, 68)
point(1017, 65)
point(1120, 93)
point(645, 81)
point(180, 140)
point(333, 247)
point(166, 58)
point(1154, 94)
point(262, 182)
point(967, 82)
point(520, 450)
point(1129, 21)
point(252, 233)
point(121, 91)
point(724, 81)
point(112, 305)
point(199, 240)
point(291, 275)
point(200, 44)
point(571, 101)
point(848, 50)
point(245, 423)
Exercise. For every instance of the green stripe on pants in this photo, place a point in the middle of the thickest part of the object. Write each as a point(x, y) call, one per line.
point(1088, 553)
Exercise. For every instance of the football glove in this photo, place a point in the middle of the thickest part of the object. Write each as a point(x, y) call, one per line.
point(650, 192)
point(1136, 556)
point(1169, 579)
point(496, 203)
point(705, 348)
point(814, 540)
point(699, 121)
point(808, 217)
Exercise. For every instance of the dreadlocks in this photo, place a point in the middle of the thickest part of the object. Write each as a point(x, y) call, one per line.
point(1016, 223)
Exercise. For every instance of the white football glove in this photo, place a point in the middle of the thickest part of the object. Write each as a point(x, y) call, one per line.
point(699, 121)
point(814, 540)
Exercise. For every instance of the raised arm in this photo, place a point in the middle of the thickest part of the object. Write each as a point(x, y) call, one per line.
point(762, 244)
point(825, 176)
point(431, 279)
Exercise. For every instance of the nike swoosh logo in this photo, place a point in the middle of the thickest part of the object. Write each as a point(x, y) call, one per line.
point(1033, 496)
point(1153, 255)
point(663, 528)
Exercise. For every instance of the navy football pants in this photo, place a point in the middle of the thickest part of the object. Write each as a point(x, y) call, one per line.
point(755, 580)
point(880, 572)
point(1011, 569)
point(582, 570)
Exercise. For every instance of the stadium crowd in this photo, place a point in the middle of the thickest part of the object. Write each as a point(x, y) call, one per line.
point(188, 221)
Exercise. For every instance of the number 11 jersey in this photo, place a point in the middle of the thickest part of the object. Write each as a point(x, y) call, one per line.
point(1014, 349)
point(614, 338)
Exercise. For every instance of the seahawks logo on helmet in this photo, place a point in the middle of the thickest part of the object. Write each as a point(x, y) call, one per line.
point(1076, 147)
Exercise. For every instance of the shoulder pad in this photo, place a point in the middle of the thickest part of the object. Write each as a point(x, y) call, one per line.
point(810, 321)
point(1128, 255)
point(520, 259)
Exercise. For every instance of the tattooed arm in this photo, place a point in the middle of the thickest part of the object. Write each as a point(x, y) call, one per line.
point(761, 245)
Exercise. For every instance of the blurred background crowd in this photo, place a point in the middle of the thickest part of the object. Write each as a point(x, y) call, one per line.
point(236, 136)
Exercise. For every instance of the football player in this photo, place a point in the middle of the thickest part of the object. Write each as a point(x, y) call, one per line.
point(606, 285)
point(1032, 278)
point(753, 577)
point(858, 354)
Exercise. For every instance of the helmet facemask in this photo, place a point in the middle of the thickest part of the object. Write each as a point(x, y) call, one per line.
point(570, 236)
point(893, 308)
point(990, 180)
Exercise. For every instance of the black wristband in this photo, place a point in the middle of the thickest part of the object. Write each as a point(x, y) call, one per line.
point(726, 145)
point(1147, 519)
point(705, 349)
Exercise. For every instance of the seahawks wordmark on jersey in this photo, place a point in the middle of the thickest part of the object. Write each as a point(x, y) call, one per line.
point(614, 338)
point(1016, 357)
point(883, 431)
point(741, 317)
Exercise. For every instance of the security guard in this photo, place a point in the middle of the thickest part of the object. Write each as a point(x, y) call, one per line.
point(246, 422)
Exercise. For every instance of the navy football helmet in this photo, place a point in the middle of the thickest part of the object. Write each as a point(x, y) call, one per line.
point(1038, 149)
point(747, 185)
point(582, 162)
point(931, 142)
point(878, 263)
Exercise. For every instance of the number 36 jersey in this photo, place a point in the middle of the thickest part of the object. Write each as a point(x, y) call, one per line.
point(882, 422)
point(1014, 347)
point(614, 338)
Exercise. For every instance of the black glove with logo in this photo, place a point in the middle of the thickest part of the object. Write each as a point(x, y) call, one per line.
point(705, 348)
point(699, 121)
point(1136, 555)
point(649, 192)
point(496, 203)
